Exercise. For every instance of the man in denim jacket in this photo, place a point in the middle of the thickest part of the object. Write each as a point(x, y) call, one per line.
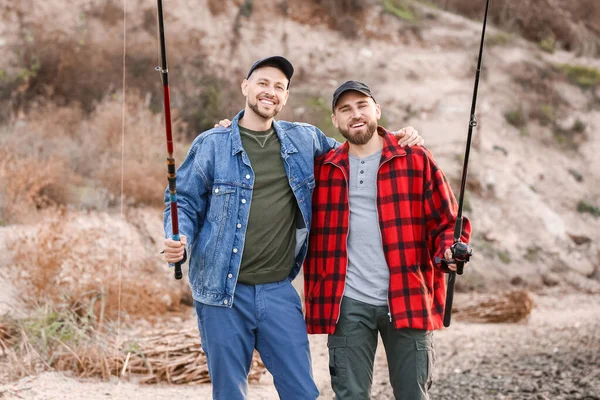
point(244, 200)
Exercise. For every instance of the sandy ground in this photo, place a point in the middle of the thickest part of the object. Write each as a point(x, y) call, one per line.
point(553, 355)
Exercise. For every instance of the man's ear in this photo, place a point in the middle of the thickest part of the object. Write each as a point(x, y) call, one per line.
point(334, 120)
point(378, 111)
point(244, 87)
point(285, 99)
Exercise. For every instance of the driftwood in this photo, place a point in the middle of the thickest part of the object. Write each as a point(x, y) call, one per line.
point(511, 306)
point(173, 356)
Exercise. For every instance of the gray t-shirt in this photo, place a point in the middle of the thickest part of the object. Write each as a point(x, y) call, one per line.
point(368, 275)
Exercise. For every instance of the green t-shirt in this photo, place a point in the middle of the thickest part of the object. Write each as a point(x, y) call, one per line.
point(271, 234)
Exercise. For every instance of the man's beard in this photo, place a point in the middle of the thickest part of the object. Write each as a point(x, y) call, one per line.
point(362, 137)
point(263, 114)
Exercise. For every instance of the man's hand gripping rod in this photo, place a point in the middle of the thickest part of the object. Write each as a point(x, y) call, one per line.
point(172, 176)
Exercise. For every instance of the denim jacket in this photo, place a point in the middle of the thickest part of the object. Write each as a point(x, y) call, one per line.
point(214, 193)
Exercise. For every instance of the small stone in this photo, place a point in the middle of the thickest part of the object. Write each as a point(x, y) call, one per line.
point(550, 280)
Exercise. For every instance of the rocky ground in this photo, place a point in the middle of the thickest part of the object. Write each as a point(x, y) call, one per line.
point(555, 354)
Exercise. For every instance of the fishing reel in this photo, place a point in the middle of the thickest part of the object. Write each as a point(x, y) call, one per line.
point(461, 254)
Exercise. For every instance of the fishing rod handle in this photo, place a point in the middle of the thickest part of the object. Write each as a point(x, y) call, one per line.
point(178, 273)
point(449, 299)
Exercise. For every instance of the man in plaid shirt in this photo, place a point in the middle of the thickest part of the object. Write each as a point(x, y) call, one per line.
point(381, 214)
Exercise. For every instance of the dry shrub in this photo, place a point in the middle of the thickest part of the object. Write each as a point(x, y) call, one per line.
point(174, 357)
point(36, 163)
point(138, 155)
point(345, 16)
point(60, 62)
point(72, 55)
point(30, 184)
point(95, 262)
point(207, 102)
point(511, 306)
point(61, 153)
point(217, 7)
point(572, 24)
point(58, 338)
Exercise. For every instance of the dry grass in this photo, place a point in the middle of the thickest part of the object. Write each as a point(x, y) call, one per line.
point(76, 259)
point(61, 91)
point(30, 184)
point(511, 306)
point(143, 150)
point(60, 153)
point(59, 338)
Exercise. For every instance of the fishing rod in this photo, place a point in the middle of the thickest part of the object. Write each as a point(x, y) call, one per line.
point(462, 252)
point(172, 175)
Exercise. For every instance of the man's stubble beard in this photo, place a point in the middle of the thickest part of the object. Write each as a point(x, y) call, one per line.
point(262, 114)
point(361, 138)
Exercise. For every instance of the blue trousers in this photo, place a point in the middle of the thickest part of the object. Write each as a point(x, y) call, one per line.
point(267, 318)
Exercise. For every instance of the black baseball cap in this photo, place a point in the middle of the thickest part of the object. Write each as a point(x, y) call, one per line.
point(351, 85)
point(278, 62)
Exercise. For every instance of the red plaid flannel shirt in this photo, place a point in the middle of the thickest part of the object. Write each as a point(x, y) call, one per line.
point(417, 211)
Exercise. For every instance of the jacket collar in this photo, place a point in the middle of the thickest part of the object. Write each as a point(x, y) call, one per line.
point(390, 149)
point(236, 141)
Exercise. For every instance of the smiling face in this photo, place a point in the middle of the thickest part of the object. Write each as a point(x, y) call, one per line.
point(266, 91)
point(355, 116)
